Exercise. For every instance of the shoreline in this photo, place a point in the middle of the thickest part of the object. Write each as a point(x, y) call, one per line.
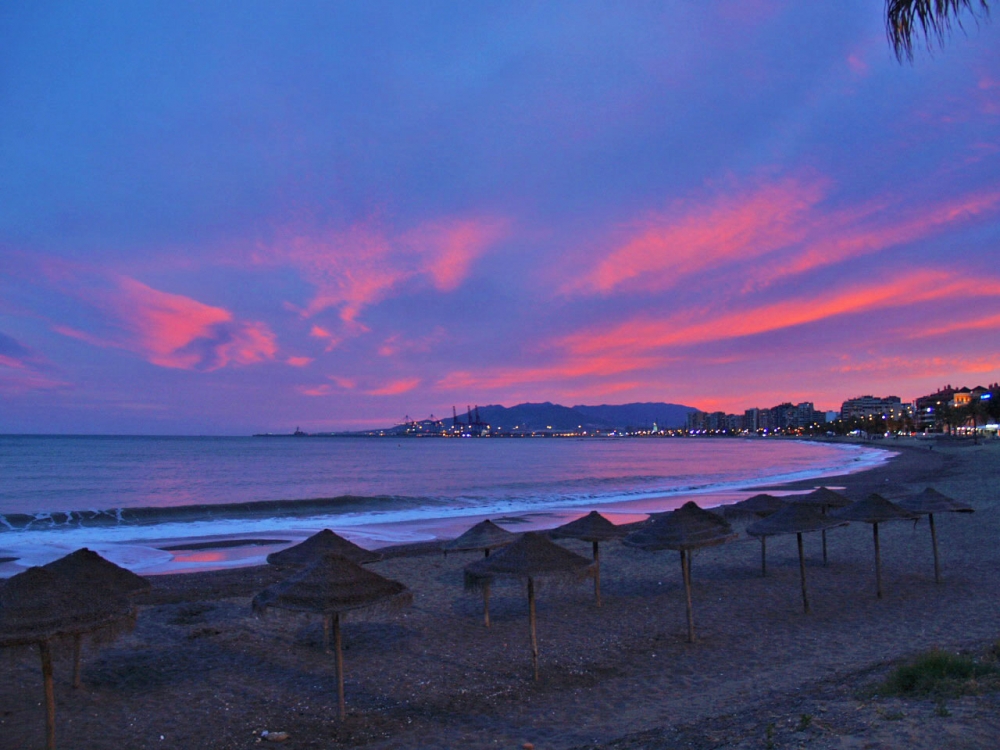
point(200, 670)
point(173, 551)
point(911, 460)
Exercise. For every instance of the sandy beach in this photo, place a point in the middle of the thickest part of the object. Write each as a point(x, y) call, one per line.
point(201, 671)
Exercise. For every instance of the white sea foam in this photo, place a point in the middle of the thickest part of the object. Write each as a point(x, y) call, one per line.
point(626, 482)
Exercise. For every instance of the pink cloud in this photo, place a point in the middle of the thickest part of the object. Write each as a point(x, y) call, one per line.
point(396, 344)
point(315, 390)
point(395, 388)
point(358, 267)
point(842, 238)
point(687, 239)
point(299, 361)
point(11, 362)
point(569, 369)
point(171, 330)
point(857, 65)
point(644, 334)
point(988, 323)
point(450, 247)
point(22, 381)
point(780, 226)
point(23, 370)
point(319, 332)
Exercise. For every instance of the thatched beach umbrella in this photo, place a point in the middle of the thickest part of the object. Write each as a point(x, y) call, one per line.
point(929, 502)
point(795, 519)
point(485, 536)
point(825, 499)
point(332, 586)
point(761, 506)
point(321, 543)
point(94, 575)
point(530, 557)
point(37, 606)
point(874, 509)
point(593, 528)
point(685, 529)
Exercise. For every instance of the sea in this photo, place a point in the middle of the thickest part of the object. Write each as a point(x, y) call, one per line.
point(179, 504)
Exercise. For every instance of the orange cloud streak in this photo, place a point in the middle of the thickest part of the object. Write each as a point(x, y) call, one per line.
point(577, 368)
point(991, 322)
point(395, 388)
point(645, 334)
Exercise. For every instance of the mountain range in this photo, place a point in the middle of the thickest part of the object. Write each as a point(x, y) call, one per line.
point(549, 416)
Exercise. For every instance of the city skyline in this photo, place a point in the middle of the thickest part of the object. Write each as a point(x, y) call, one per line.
point(235, 219)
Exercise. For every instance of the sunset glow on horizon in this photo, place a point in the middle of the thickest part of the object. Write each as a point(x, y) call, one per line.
point(236, 218)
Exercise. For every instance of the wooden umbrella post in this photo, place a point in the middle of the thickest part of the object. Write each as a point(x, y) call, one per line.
point(763, 556)
point(326, 633)
point(486, 603)
point(686, 573)
point(486, 595)
point(77, 648)
point(340, 666)
point(802, 574)
point(878, 564)
point(937, 569)
point(825, 508)
point(597, 573)
point(531, 621)
point(50, 698)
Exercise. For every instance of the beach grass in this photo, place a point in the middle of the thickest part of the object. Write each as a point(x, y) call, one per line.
point(942, 674)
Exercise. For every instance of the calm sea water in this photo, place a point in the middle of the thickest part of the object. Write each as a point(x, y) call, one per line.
point(130, 493)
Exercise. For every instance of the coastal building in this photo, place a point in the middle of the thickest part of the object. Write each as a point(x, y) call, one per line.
point(928, 409)
point(890, 407)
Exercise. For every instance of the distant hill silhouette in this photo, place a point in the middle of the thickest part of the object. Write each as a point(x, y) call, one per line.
point(640, 415)
point(549, 416)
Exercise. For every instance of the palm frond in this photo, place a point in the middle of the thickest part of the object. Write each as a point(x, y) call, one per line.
point(905, 20)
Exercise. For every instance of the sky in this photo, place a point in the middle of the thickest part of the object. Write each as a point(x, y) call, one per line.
point(232, 217)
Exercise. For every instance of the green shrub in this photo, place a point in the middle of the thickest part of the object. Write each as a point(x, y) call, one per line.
point(937, 672)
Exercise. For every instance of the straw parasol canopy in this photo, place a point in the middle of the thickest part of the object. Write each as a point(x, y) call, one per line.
point(38, 605)
point(98, 577)
point(798, 520)
point(594, 528)
point(530, 557)
point(486, 536)
point(824, 498)
point(932, 501)
point(687, 528)
point(760, 506)
point(321, 543)
point(874, 509)
point(929, 502)
point(331, 586)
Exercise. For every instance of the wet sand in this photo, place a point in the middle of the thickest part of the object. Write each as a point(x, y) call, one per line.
point(201, 671)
